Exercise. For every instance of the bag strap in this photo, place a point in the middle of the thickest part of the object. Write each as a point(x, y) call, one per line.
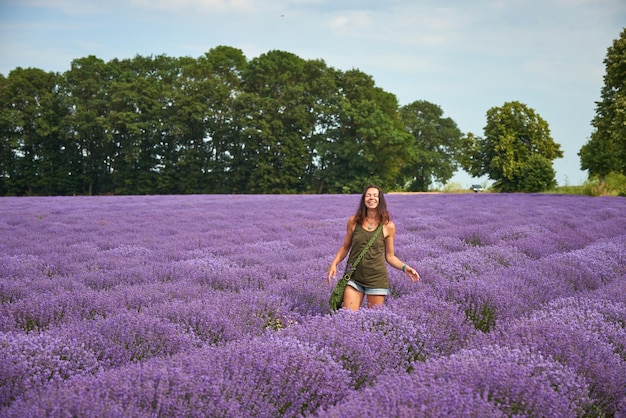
point(367, 247)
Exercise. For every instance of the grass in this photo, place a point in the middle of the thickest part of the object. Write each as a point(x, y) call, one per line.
point(614, 184)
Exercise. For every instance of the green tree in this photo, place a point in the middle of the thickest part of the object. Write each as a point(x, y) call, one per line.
point(134, 105)
point(537, 175)
point(188, 119)
point(280, 104)
point(88, 93)
point(517, 144)
point(605, 152)
point(221, 86)
point(7, 139)
point(366, 142)
point(33, 149)
point(470, 157)
point(432, 153)
point(320, 114)
point(169, 125)
point(216, 124)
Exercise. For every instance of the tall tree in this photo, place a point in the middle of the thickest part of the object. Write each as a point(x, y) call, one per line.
point(606, 149)
point(222, 69)
point(7, 139)
point(432, 153)
point(88, 91)
point(218, 124)
point(188, 120)
point(367, 140)
point(320, 98)
point(168, 123)
point(279, 122)
point(136, 93)
point(517, 143)
point(33, 160)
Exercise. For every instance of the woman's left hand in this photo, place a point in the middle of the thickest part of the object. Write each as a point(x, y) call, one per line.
point(412, 273)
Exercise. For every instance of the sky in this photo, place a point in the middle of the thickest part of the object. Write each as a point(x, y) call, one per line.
point(466, 56)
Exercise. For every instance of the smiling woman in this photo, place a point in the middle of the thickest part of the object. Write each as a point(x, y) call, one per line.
point(371, 249)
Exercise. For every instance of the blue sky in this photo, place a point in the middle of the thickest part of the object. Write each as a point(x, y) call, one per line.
point(466, 56)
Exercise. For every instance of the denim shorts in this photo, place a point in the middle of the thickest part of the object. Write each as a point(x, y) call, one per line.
point(368, 290)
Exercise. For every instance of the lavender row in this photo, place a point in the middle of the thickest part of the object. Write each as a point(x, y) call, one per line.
point(388, 368)
point(102, 292)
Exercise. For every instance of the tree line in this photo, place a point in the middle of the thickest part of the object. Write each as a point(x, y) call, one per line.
point(222, 123)
point(216, 124)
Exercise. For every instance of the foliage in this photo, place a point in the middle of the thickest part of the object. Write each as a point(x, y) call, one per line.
point(433, 149)
point(567, 189)
point(216, 124)
point(517, 150)
point(31, 118)
point(605, 152)
point(364, 141)
point(613, 184)
point(537, 175)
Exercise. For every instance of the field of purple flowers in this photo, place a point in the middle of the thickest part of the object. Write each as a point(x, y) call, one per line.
point(163, 306)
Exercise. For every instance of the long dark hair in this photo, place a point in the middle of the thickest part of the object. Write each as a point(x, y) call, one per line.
point(383, 214)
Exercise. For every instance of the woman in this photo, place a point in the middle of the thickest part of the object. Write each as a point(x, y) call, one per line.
point(370, 277)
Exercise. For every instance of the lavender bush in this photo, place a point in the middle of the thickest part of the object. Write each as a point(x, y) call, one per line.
point(163, 306)
point(265, 377)
point(34, 360)
point(588, 336)
point(367, 343)
point(488, 381)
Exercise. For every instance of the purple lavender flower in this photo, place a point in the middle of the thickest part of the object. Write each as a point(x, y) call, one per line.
point(31, 361)
point(444, 322)
point(401, 395)
point(586, 336)
point(129, 337)
point(240, 315)
point(269, 377)
point(491, 381)
point(367, 342)
point(161, 305)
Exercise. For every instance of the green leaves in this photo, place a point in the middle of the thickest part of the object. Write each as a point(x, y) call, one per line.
point(434, 147)
point(33, 150)
point(605, 152)
point(216, 124)
point(517, 144)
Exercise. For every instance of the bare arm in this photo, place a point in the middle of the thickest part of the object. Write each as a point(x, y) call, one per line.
point(343, 250)
point(390, 256)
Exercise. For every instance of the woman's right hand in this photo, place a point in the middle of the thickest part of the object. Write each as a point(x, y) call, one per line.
point(332, 272)
point(343, 250)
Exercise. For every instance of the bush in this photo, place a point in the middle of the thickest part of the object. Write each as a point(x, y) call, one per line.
point(614, 184)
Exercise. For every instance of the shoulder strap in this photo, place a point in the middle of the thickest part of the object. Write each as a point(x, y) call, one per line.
point(367, 247)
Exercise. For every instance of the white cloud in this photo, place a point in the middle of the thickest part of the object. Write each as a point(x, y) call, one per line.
point(350, 22)
point(230, 6)
point(71, 7)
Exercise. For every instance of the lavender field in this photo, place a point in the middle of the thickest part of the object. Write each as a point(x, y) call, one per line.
point(171, 306)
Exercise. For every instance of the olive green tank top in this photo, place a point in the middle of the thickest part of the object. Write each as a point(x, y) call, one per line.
point(372, 270)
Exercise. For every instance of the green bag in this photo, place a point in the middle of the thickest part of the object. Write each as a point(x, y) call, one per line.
point(336, 297)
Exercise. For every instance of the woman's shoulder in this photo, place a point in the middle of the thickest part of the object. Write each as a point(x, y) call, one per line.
point(389, 227)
